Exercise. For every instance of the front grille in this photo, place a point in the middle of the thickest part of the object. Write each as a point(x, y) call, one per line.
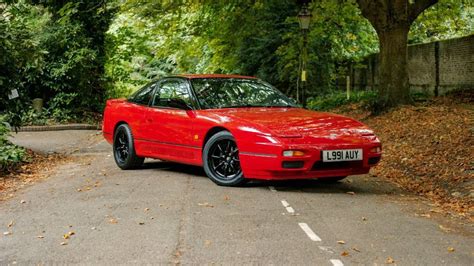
point(292, 164)
point(320, 165)
point(374, 160)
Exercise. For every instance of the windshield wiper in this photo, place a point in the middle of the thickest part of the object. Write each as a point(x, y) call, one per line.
point(243, 106)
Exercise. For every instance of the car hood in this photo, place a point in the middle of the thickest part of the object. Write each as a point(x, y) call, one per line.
point(298, 122)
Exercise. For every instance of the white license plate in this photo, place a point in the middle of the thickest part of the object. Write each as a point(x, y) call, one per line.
point(342, 155)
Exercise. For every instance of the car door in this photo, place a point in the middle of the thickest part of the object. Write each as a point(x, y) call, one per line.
point(170, 128)
point(134, 114)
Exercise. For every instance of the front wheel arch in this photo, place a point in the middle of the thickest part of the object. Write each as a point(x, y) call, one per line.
point(213, 156)
point(211, 132)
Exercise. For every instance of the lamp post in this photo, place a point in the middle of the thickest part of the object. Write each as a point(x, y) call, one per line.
point(304, 18)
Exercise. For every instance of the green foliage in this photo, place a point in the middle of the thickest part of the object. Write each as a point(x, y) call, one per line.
point(106, 49)
point(260, 38)
point(52, 48)
point(60, 110)
point(446, 20)
point(10, 154)
point(335, 99)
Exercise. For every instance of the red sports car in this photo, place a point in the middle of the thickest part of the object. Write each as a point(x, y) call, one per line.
point(238, 128)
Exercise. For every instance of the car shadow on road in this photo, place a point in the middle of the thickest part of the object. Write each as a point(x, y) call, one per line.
point(175, 168)
point(362, 184)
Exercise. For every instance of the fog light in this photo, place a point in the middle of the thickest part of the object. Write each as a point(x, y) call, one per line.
point(292, 153)
point(376, 149)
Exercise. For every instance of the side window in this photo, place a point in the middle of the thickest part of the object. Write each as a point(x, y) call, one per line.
point(143, 95)
point(171, 90)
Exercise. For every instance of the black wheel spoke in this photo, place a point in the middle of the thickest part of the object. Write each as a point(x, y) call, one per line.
point(224, 159)
point(121, 147)
point(219, 165)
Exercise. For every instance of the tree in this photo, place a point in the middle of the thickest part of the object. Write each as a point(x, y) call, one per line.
point(391, 20)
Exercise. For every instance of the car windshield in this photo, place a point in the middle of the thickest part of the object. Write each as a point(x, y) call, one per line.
point(214, 93)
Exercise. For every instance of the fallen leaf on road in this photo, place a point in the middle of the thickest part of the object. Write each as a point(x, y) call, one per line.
point(113, 221)
point(450, 249)
point(445, 229)
point(147, 209)
point(63, 243)
point(226, 197)
point(351, 192)
point(206, 204)
point(11, 224)
point(7, 233)
point(390, 260)
point(141, 223)
point(345, 253)
point(79, 190)
point(437, 210)
point(66, 236)
point(342, 242)
point(426, 215)
point(71, 233)
point(364, 219)
point(23, 201)
point(355, 249)
point(40, 237)
point(207, 242)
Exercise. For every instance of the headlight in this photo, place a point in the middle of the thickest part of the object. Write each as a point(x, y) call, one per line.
point(376, 149)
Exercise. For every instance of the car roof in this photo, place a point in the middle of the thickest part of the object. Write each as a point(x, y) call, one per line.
point(218, 76)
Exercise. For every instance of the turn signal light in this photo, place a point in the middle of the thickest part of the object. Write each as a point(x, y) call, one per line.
point(293, 153)
point(376, 149)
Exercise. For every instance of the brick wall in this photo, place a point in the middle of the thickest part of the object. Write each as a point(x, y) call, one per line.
point(434, 68)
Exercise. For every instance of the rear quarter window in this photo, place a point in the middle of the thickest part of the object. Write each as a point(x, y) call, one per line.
point(143, 95)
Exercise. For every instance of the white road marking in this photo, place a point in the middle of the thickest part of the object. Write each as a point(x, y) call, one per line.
point(327, 249)
point(309, 232)
point(290, 210)
point(287, 207)
point(272, 189)
point(337, 262)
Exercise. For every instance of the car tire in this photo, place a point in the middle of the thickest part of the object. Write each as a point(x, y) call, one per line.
point(124, 149)
point(221, 160)
point(334, 179)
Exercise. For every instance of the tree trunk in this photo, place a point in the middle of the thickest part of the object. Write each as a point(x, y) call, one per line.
point(392, 19)
point(393, 87)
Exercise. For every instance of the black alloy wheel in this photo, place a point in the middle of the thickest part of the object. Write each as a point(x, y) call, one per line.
point(124, 150)
point(221, 160)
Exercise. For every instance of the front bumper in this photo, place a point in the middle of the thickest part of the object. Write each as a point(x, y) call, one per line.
point(270, 164)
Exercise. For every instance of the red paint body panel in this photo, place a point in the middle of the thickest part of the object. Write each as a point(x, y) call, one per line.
point(262, 134)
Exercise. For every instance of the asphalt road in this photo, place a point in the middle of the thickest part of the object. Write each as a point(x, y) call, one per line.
point(172, 214)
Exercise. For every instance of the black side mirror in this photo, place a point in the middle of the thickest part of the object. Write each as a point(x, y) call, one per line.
point(179, 103)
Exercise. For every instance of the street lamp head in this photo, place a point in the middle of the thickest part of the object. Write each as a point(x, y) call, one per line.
point(304, 17)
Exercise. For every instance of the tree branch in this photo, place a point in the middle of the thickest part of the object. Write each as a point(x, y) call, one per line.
point(418, 7)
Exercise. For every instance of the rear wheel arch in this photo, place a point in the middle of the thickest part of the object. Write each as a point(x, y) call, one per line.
point(118, 124)
point(124, 149)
